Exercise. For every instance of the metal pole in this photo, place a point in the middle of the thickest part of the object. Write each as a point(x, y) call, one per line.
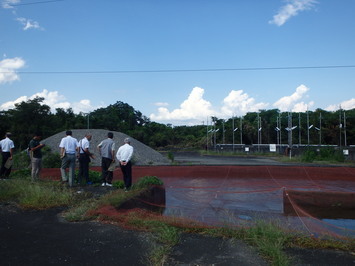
point(299, 129)
point(280, 138)
point(290, 133)
point(214, 126)
point(207, 134)
point(308, 127)
point(241, 130)
point(88, 118)
point(258, 126)
point(233, 131)
point(320, 128)
point(340, 126)
point(277, 133)
point(223, 136)
point(345, 141)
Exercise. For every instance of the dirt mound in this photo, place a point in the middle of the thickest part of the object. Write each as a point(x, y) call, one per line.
point(143, 155)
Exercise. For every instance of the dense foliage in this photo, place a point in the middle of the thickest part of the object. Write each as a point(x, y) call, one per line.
point(314, 127)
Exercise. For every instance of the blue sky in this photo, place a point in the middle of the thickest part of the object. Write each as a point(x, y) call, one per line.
point(179, 61)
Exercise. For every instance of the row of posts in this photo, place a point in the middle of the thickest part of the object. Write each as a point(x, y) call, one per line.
point(289, 128)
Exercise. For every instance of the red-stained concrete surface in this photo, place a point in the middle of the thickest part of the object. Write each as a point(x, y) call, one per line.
point(275, 172)
point(241, 195)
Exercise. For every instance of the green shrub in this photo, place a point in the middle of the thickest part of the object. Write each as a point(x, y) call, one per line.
point(309, 155)
point(322, 154)
point(338, 156)
point(147, 181)
point(94, 176)
point(21, 160)
point(50, 159)
point(326, 153)
point(118, 184)
point(171, 156)
point(23, 173)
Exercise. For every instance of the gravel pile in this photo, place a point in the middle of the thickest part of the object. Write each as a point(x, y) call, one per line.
point(143, 155)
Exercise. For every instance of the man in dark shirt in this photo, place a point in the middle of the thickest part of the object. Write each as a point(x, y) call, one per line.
point(35, 148)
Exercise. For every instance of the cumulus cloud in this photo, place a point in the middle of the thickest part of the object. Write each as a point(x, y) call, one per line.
point(239, 103)
point(291, 9)
point(54, 100)
point(8, 68)
point(29, 24)
point(193, 110)
point(292, 102)
point(346, 105)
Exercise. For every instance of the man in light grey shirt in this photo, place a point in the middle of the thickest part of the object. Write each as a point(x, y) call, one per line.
point(107, 152)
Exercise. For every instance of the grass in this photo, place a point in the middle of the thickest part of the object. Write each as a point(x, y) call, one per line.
point(40, 195)
point(269, 238)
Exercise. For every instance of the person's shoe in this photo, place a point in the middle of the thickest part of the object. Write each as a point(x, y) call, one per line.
point(108, 184)
point(103, 184)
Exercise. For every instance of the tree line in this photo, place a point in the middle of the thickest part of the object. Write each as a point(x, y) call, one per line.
point(263, 127)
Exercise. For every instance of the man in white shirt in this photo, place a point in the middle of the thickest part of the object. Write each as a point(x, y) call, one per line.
point(124, 156)
point(84, 159)
point(68, 147)
point(6, 147)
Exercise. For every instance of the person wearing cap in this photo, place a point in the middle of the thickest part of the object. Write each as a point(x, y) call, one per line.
point(124, 156)
point(68, 147)
point(35, 148)
point(6, 146)
point(84, 159)
point(107, 151)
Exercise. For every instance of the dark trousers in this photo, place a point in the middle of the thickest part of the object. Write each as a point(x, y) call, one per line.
point(107, 175)
point(84, 161)
point(5, 172)
point(127, 174)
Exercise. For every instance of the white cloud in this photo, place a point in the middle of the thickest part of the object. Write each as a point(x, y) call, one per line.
point(29, 24)
point(193, 110)
point(291, 9)
point(83, 106)
point(54, 100)
point(292, 102)
point(346, 105)
point(239, 103)
point(8, 69)
point(8, 4)
point(302, 107)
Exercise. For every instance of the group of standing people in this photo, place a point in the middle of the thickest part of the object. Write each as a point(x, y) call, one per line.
point(70, 150)
point(34, 148)
point(69, 146)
